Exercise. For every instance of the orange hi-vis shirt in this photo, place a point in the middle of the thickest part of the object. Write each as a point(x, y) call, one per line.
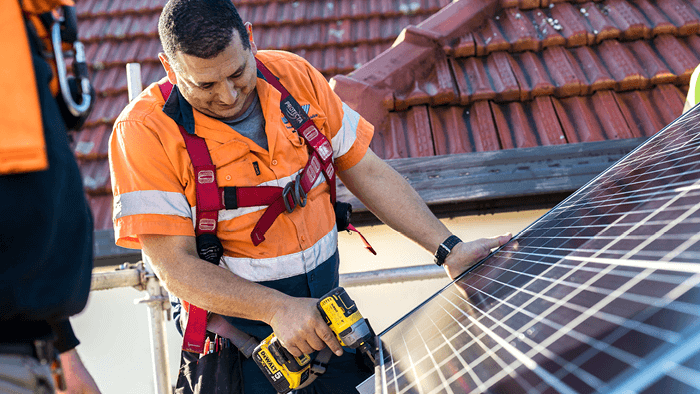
point(153, 179)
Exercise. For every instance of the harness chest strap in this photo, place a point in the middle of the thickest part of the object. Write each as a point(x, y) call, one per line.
point(210, 198)
point(320, 158)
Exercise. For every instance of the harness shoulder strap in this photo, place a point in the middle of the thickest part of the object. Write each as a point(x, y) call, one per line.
point(209, 202)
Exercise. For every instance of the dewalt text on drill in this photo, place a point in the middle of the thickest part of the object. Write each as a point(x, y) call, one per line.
point(287, 372)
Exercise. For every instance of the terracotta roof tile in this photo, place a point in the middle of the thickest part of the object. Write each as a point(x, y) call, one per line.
point(96, 179)
point(482, 127)
point(546, 33)
point(682, 15)
point(460, 129)
point(532, 75)
point(450, 131)
point(101, 207)
point(149, 48)
point(490, 39)
point(465, 46)
point(520, 30)
point(693, 44)
point(603, 57)
point(679, 58)
point(638, 109)
point(433, 85)
point(628, 19)
point(654, 67)
point(472, 79)
point(89, 143)
point(477, 76)
point(598, 16)
point(151, 72)
point(100, 7)
point(528, 124)
point(659, 22)
point(92, 29)
point(83, 7)
point(127, 6)
point(670, 101)
point(622, 66)
point(597, 75)
point(144, 26)
point(567, 77)
point(118, 27)
point(572, 25)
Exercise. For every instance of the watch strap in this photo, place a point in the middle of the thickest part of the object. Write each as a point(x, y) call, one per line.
point(445, 248)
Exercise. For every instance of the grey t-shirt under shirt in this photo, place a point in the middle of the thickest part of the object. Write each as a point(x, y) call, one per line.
point(252, 123)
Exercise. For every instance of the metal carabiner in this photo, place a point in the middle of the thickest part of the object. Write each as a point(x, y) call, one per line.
point(80, 62)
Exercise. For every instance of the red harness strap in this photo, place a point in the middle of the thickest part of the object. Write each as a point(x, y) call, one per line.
point(320, 160)
point(211, 198)
point(209, 202)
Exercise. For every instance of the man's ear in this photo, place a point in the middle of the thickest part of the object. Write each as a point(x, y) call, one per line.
point(168, 68)
point(253, 47)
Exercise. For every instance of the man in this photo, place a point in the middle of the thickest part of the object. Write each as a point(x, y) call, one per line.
point(210, 58)
point(45, 222)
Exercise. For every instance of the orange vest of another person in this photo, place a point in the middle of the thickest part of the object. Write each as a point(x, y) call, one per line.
point(22, 145)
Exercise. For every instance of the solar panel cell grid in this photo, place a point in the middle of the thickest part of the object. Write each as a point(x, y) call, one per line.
point(602, 294)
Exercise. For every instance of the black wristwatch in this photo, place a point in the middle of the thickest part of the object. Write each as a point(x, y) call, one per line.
point(445, 248)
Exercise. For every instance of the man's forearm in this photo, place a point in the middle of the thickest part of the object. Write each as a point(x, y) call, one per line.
point(392, 199)
point(206, 285)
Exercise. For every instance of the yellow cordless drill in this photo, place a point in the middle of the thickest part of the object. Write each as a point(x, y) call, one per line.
point(287, 372)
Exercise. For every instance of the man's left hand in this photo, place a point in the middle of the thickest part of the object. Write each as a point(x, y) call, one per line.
point(466, 254)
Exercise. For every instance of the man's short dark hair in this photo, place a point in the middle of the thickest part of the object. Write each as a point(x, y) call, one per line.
point(201, 28)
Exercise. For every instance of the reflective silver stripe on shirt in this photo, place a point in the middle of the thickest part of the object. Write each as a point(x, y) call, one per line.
point(229, 214)
point(344, 140)
point(259, 270)
point(154, 202)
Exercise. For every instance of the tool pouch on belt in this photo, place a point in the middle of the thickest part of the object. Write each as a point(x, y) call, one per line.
point(217, 371)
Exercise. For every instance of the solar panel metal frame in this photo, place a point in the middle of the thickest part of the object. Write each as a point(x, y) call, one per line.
point(659, 368)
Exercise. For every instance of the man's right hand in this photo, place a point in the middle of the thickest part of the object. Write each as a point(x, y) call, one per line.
point(301, 329)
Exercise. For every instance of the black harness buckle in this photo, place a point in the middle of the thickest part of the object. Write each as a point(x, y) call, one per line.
point(299, 193)
point(285, 197)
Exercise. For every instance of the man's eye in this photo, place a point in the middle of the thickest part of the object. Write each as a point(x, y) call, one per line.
point(206, 86)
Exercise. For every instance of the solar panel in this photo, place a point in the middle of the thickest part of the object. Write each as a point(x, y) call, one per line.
point(601, 294)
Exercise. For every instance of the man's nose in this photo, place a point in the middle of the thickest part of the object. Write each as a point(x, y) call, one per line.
point(228, 93)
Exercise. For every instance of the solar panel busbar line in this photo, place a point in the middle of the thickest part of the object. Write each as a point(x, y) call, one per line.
point(601, 294)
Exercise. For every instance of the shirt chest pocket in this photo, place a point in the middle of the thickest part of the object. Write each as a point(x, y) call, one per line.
point(236, 165)
point(299, 144)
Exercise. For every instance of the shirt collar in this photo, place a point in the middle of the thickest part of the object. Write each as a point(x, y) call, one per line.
point(179, 110)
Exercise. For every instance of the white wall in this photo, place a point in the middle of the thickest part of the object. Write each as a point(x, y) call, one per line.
point(115, 344)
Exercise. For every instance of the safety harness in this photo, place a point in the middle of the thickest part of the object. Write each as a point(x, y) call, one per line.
point(211, 198)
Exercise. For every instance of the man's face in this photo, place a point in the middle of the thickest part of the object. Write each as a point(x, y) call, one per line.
point(221, 87)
